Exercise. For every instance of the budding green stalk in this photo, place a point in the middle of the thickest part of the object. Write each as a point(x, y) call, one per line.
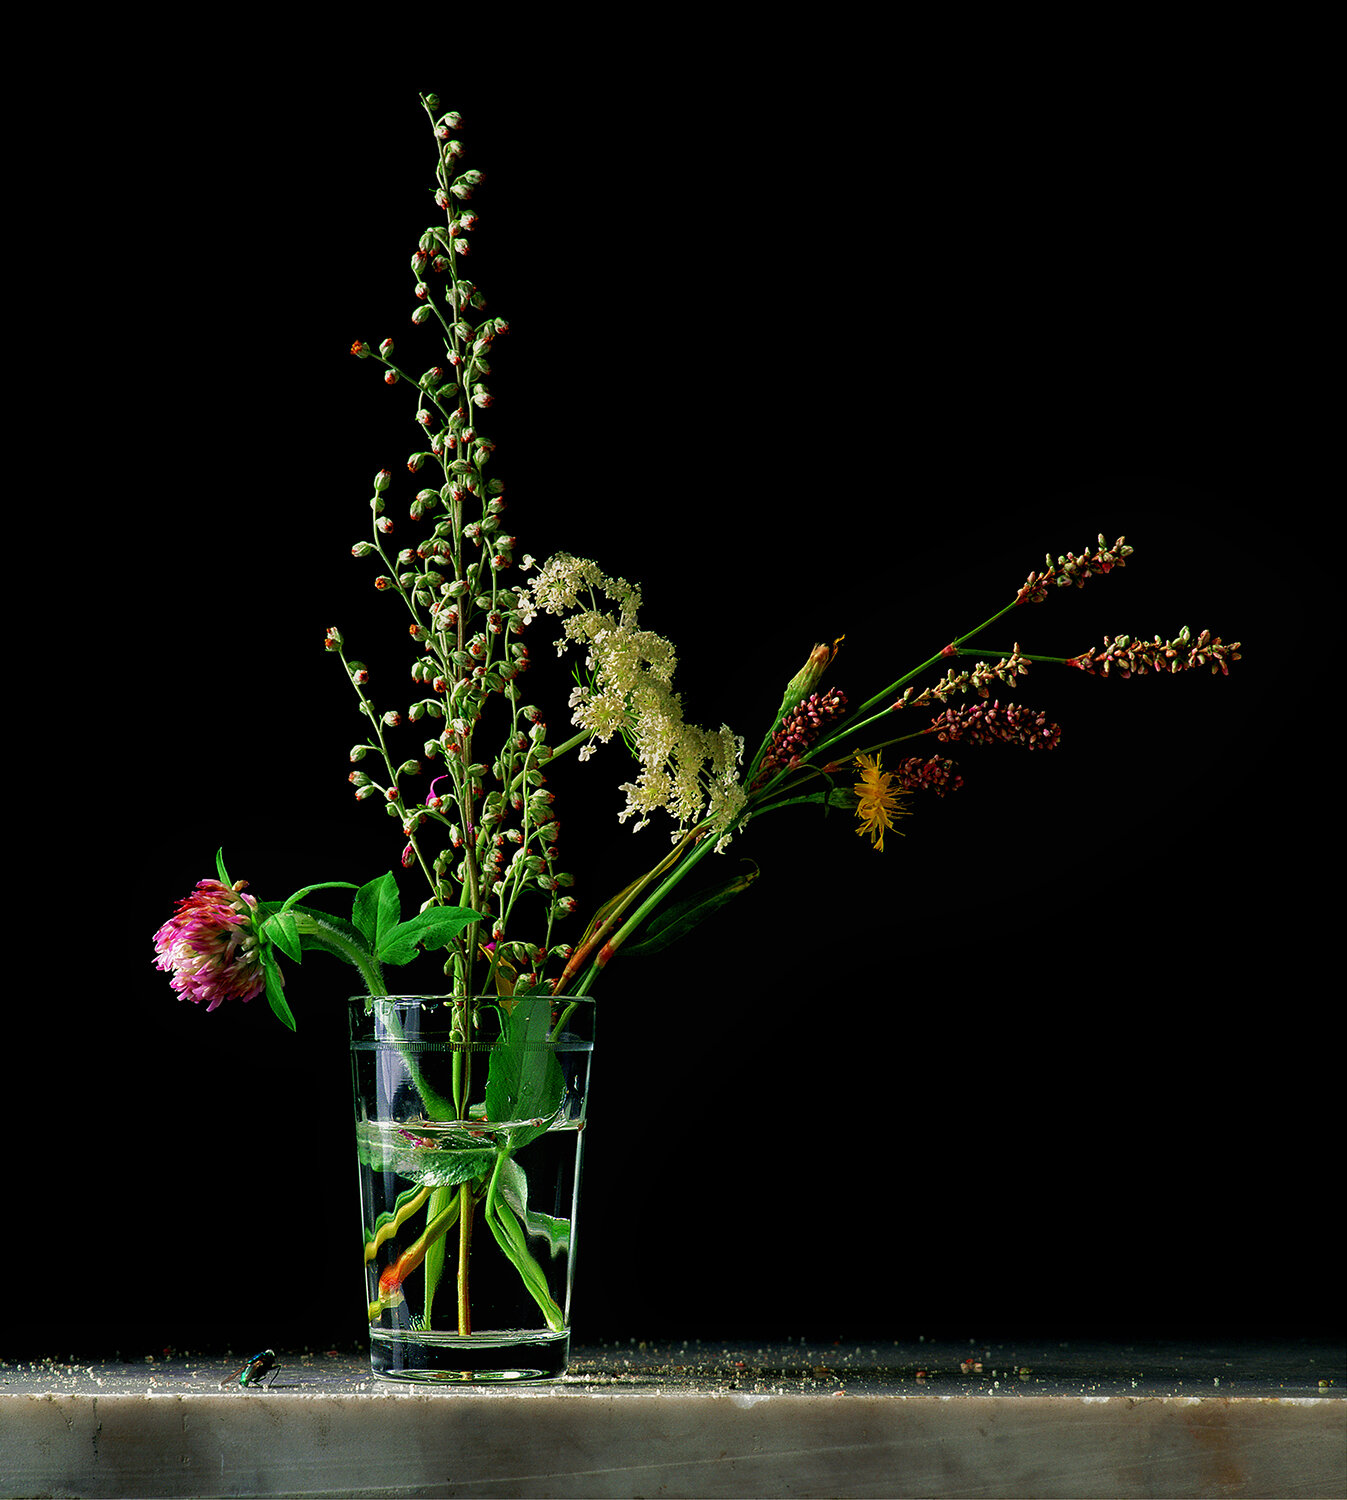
point(797, 690)
point(807, 678)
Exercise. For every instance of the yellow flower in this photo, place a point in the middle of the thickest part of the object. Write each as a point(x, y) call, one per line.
point(878, 800)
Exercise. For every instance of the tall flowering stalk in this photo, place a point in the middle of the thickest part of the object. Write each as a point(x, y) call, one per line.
point(493, 808)
point(473, 803)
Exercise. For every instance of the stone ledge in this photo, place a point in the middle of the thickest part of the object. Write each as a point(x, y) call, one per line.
point(697, 1420)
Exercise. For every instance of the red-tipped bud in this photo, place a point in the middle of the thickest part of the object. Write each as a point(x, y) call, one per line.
point(807, 678)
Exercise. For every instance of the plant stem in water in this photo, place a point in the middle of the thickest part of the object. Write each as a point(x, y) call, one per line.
point(464, 1243)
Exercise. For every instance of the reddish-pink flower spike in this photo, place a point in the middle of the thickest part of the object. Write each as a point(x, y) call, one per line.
point(799, 729)
point(934, 775)
point(991, 723)
point(210, 945)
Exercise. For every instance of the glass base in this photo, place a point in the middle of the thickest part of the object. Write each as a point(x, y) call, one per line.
point(452, 1358)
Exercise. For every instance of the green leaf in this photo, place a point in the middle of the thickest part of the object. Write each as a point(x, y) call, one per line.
point(220, 868)
point(677, 921)
point(376, 908)
point(282, 929)
point(432, 1169)
point(513, 1187)
point(524, 1079)
point(434, 928)
point(440, 1200)
point(275, 990)
point(446, 1169)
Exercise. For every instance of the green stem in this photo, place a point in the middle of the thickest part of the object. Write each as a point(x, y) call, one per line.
point(665, 888)
point(464, 1245)
point(324, 935)
point(946, 651)
point(437, 1106)
point(531, 762)
point(863, 716)
point(390, 1226)
point(390, 1283)
point(1020, 656)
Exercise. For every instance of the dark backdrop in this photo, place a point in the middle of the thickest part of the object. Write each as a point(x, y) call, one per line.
point(809, 362)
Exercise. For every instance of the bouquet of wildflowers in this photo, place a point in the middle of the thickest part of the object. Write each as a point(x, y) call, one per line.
point(464, 766)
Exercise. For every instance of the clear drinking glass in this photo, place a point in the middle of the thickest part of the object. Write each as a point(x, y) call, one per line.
point(470, 1118)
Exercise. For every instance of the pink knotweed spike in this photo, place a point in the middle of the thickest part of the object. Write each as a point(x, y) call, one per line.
point(934, 775)
point(799, 729)
point(991, 723)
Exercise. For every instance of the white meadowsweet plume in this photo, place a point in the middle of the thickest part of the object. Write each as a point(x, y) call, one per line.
point(692, 773)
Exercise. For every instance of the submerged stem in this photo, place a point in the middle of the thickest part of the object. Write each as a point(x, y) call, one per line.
point(464, 1245)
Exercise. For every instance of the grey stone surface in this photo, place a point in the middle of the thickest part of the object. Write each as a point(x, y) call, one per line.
point(696, 1420)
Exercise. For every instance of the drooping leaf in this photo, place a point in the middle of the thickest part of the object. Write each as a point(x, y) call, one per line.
point(282, 929)
point(835, 796)
point(275, 990)
point(667, 926)
point(512, 1184)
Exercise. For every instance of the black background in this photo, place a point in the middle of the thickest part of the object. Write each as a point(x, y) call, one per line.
point(809, 359)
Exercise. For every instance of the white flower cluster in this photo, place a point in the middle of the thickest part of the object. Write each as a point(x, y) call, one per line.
point(690, 772)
